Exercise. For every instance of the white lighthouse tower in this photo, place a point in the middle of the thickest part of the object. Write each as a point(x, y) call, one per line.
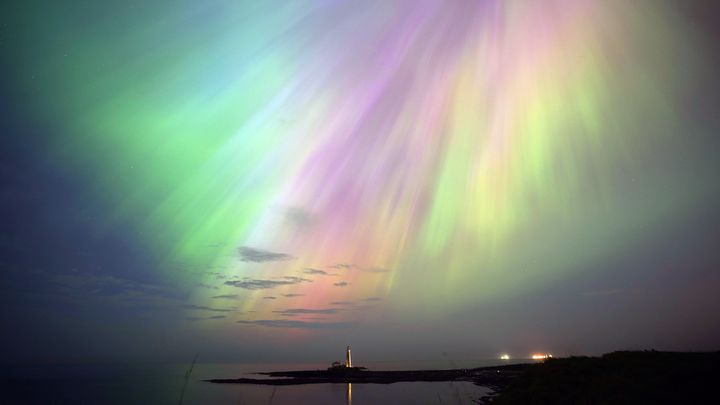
point(348, 357)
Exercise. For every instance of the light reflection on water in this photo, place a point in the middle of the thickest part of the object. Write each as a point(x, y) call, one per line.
point(358, 394)
point(162, 384)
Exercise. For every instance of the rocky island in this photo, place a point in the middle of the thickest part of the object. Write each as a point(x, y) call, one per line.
point(486, 376)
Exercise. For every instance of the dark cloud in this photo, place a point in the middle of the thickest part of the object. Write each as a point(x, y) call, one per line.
point(293, 295)
point(341, 284)
point(344, 266)
point(297, 311)
point(269, 298)
point(341, 303)
point(205, 318)
point(373, 299)
point(297, 279)
point(208, 286)
point(257, 284)
point(287, 323)
point(227, 296)
point(79, 286)
point(318, 272)
point(204, 308)
point(248, 254)
point(299, 217)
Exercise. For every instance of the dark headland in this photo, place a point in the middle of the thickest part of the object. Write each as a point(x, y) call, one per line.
point(638, 377)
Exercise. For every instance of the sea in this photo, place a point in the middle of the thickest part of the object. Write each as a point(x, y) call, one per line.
point(167, 384)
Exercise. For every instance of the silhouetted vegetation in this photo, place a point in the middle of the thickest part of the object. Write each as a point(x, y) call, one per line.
point(647, 377)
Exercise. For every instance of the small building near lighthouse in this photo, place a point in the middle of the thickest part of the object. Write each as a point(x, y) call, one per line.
point(347, 366)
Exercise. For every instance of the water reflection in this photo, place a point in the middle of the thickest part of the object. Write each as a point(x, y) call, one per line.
point(162, 384)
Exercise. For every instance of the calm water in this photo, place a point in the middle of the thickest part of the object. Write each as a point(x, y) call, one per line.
point(162, 384)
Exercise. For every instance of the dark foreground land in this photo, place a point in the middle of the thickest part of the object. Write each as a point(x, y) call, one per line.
point(647, 377)
point(640, 377)
point(496, 377)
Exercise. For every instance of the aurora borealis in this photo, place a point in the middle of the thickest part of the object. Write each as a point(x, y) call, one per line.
point(257, 173)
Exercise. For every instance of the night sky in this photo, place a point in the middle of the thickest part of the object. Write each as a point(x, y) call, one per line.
point(266, 181)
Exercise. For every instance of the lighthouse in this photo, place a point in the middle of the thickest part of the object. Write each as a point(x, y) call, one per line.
point(348, 357)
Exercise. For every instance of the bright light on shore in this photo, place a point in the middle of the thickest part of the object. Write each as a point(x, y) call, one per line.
point(504, 356)
point(541, 356)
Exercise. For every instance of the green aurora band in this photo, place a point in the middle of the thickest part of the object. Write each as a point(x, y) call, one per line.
point(448, 152)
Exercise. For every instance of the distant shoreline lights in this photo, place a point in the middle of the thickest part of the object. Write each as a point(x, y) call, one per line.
point(534, 356)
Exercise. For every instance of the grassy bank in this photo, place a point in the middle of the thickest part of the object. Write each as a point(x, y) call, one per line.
point(646, 377)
